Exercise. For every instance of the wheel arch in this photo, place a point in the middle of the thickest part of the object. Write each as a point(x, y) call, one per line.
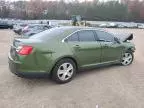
point(65, 57)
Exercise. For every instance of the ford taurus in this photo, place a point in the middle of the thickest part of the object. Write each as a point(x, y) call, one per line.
point(62, 51)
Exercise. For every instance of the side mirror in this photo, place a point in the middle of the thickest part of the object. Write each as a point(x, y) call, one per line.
point(117, 40)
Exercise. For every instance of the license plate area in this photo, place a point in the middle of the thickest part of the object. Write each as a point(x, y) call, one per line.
point(13, 53)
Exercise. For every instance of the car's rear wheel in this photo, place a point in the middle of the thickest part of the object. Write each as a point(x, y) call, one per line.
point(127, 58)
point(64, 71)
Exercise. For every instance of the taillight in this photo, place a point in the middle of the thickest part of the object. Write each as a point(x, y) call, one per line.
point(24, 50)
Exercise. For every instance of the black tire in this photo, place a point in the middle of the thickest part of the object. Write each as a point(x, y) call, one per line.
point(56, 67)
point(130, 52)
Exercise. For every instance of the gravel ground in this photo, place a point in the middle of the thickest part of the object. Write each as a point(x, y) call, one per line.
point(107, 87)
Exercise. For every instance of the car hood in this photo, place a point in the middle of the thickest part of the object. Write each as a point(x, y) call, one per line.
point(124, 36)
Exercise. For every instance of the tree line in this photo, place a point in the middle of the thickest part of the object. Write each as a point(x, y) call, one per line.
point(89, 10)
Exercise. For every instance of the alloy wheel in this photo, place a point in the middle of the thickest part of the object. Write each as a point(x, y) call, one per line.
point(127, 59)
point(65, 71)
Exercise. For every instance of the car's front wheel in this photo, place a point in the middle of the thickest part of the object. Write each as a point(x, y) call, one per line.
point(64, 71)
point(127, 58)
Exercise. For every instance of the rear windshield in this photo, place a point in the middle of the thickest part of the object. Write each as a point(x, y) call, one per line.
point(45, 35)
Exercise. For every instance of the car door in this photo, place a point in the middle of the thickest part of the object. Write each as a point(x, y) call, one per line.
point(111, 49)
point(85, 47)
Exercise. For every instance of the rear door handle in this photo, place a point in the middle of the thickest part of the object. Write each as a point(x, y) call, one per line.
point(77, 46)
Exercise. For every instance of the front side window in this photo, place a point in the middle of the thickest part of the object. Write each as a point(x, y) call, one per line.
point(104, 36)
point(86, 35)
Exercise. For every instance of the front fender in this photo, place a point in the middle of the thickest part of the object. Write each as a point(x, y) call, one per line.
point(129, 47)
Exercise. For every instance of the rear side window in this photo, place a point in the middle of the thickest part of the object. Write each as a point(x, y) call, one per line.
point(86, 35)
point(73, 37)
point(104, 36)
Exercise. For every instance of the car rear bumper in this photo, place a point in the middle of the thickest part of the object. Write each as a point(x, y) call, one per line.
point(14, 67)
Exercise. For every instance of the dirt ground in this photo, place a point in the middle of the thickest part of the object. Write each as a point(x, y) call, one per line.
point(107, 87)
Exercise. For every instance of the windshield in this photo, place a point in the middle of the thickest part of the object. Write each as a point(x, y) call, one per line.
point(47, 34)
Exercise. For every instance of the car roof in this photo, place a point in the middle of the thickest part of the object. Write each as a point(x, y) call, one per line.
point(62, 32)
point(75, 28)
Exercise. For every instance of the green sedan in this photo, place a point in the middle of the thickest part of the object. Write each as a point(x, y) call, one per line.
point(62, 51)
